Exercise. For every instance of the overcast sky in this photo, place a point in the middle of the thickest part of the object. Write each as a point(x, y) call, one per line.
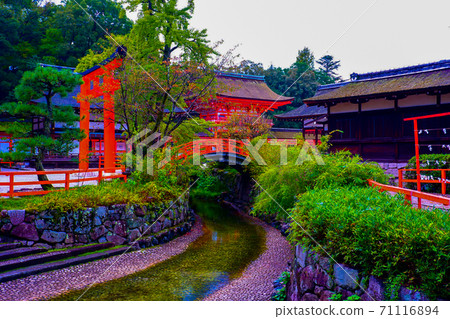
point(366, 35)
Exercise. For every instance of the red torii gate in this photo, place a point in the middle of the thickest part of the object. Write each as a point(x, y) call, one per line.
point(99, 81)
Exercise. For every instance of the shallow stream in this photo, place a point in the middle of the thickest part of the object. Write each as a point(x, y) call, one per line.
point(228, 245)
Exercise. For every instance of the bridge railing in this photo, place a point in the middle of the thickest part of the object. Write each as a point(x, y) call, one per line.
point(81, 176)
point(211, 146)
point(409, 194)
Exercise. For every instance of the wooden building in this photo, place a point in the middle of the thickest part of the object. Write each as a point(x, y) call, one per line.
point(370, 108)
point(313, 118)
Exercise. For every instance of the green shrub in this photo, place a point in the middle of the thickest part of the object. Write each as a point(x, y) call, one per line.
point(429, 161)
point(377, 233)
point(284, 183)
point(104, 194)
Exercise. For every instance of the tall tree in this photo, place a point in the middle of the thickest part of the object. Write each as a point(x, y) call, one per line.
point(43, 82)
point(328, 66)
point(170, 73)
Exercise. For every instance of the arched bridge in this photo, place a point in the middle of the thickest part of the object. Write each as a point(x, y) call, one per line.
point(220, 150)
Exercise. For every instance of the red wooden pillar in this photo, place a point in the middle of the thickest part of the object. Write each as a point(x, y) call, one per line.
point(84, 126)
point(416, 139)
point(109, 128)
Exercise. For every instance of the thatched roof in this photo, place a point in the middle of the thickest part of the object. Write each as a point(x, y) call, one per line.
point(378, 84)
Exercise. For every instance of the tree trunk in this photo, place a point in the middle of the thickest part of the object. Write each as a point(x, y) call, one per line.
point(39, 166)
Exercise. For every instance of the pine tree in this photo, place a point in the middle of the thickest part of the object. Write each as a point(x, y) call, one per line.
point(43, 82)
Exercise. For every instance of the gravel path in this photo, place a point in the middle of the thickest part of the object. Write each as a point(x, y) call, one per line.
point(51, 284)
point(256, 281)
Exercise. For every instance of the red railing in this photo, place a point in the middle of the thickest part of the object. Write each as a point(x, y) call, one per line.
point(211, 146)
point(409, 194)
point(101, 162)
point(441, 180)
point(86, 176)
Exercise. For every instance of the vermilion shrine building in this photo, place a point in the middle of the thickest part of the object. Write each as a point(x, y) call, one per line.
point(236, 94)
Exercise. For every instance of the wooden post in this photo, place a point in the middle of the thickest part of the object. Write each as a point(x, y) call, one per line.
point(11, 185)
point(67, 184)
point(100, 176)
point(416, 140)
point(109, 127)
point(84, 126)
point(400, 178)
point(443, 184)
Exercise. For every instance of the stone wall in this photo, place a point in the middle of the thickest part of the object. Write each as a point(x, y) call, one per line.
point(314, 277)
point(118, 224)
point(392, 169)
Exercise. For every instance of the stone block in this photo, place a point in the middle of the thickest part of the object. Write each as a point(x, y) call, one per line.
point(301, 255)
point(117, 240)
point(406, 294)
point(133, 235)
point(70, 238)
point(98, 232)
point(97, 221)
point(51, 236)
point(40, 224)
point(16, 216)
point(346, 277)
point(309, 297)
point(101, 212)
point(306, 281)
point(6, 228)
point(25, 231)
point(120, 228)
point(325, 263)
point(322, 278)
point(326, 295)
point(375, 289)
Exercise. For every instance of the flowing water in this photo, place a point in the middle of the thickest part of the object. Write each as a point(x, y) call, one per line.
point(228, 245)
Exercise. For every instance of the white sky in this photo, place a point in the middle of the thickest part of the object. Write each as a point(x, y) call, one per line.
point(366, 35)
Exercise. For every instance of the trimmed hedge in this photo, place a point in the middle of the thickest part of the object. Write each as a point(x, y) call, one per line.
point(377, 233)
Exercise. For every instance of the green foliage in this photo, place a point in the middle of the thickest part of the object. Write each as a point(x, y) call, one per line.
point(104, 194)
point(280, 294)
point(284, 183)
point(42, 82)
point(429, 161)
point(34, 32)
point(335, 297)
point(393, 285)
point(353, 298)
point(378, 234)
point(211, 181)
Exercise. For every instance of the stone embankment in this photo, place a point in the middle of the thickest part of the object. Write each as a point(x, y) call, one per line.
point(119, 224)
point(315, 277)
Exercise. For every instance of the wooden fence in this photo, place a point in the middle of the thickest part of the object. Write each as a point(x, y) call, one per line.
point(441, 180)
point(409, 194)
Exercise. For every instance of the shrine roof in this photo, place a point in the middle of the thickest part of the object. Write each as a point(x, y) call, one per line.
point(241, 86)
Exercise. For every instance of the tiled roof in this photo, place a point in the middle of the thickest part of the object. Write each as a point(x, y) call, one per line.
point(69, 100)
point(246, 87)
point(303, 111)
